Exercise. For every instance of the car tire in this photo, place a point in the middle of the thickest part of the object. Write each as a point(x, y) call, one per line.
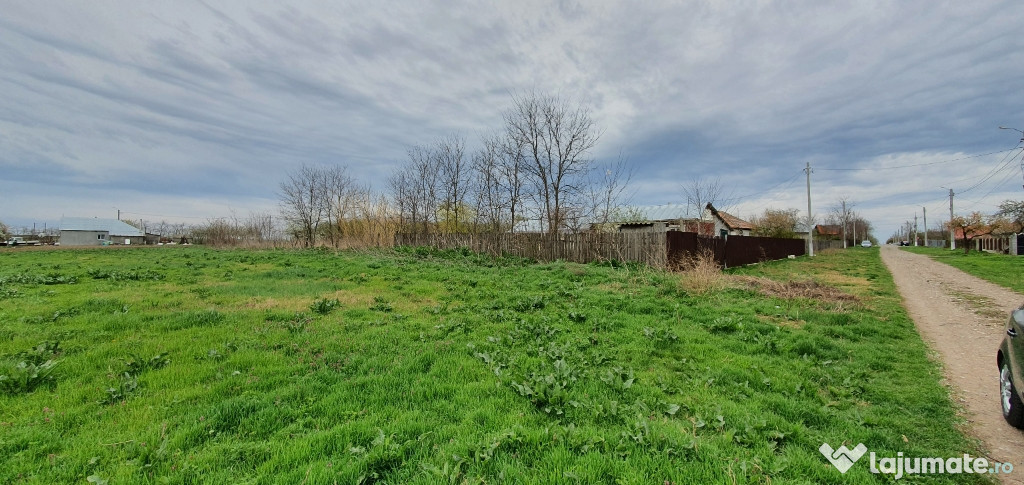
point(1013, 408)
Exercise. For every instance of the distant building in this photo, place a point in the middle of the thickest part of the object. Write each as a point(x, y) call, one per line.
point(663, 218)
point(727, 224)
point(828, 231)
point(673, 217)
point(85, 231)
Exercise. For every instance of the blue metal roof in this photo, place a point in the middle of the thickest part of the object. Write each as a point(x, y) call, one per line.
point(113, 227)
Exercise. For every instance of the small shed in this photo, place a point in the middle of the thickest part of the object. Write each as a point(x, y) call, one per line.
point(85, 231)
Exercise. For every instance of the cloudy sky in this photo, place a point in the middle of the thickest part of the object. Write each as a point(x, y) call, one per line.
point(185, 110)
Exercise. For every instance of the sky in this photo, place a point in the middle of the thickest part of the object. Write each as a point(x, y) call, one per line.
point(186, 111)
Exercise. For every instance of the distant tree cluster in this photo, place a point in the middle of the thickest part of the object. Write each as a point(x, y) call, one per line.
point(852, 226)
point(257, 229)
point(1011, 216)
point(534, 173)
point(780, 223)
point(326, 204)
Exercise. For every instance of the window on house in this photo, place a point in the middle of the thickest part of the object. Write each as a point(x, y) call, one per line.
point(101, 236)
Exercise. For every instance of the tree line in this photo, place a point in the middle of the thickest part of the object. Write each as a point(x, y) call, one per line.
point(534, 173)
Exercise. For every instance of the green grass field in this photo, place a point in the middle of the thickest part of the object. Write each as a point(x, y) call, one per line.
point(1001, 269)
point(192, 365)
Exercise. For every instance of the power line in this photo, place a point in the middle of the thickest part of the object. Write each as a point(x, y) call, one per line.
point(1000, 184)
point(912, 165)
point(1004, 164)
point(168, 216)
point(790, 181)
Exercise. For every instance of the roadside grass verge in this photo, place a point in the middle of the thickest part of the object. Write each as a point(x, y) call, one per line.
point(423, 366)
point(1002, 269)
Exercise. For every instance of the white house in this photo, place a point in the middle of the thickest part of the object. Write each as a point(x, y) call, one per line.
point(85, 231)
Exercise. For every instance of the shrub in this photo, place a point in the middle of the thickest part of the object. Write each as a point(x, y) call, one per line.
point(702, 274)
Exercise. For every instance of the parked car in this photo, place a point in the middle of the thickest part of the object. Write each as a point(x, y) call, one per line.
point(1010, 360)
point(865, 243)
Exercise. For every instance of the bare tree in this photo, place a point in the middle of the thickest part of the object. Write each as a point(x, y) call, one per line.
point(401, 197)
point(608, 191)
point(553, 139)
point(341, 192)
point(260, 226)
point(511, 178)
point(303, 203)
point(414, 190)
point(487, 191)
point(841, 215)
point(699, 193)
point(453, 174)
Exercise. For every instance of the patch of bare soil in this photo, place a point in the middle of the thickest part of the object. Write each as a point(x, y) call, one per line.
point(961, 319)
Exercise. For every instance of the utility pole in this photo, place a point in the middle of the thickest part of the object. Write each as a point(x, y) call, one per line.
point(854, 230)
point(924, 211)
point(952, 238)
point(810, 219)
point(845, 222)
point(915, 229)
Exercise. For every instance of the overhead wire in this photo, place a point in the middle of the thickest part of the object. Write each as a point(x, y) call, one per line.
point(1003, 164)
point(788, 181)
point(1010, 175)
point(166, 216)
point(912, 165)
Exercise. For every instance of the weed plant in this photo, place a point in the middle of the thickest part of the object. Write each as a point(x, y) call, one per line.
point(426, 366)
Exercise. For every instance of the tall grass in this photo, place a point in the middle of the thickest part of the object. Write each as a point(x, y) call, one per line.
point(701, 273)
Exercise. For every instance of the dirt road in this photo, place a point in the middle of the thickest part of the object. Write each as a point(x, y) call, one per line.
point(961, 318)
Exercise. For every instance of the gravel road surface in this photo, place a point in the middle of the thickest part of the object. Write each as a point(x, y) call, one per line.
point(961, 318)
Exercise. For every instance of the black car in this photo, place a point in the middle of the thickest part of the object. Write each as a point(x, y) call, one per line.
point(1011, 369)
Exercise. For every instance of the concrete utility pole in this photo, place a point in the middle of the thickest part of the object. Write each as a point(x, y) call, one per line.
point(925, 214)
point(915, 229)
point(810, 219)
point(845, 222)
point(952, 238)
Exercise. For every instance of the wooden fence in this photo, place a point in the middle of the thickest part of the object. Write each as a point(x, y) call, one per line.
point(646, 248)
point(656, 249)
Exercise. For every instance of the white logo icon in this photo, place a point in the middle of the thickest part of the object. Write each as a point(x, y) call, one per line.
point(843, 458)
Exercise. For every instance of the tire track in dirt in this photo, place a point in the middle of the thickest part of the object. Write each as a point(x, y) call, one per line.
point(961, 318)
